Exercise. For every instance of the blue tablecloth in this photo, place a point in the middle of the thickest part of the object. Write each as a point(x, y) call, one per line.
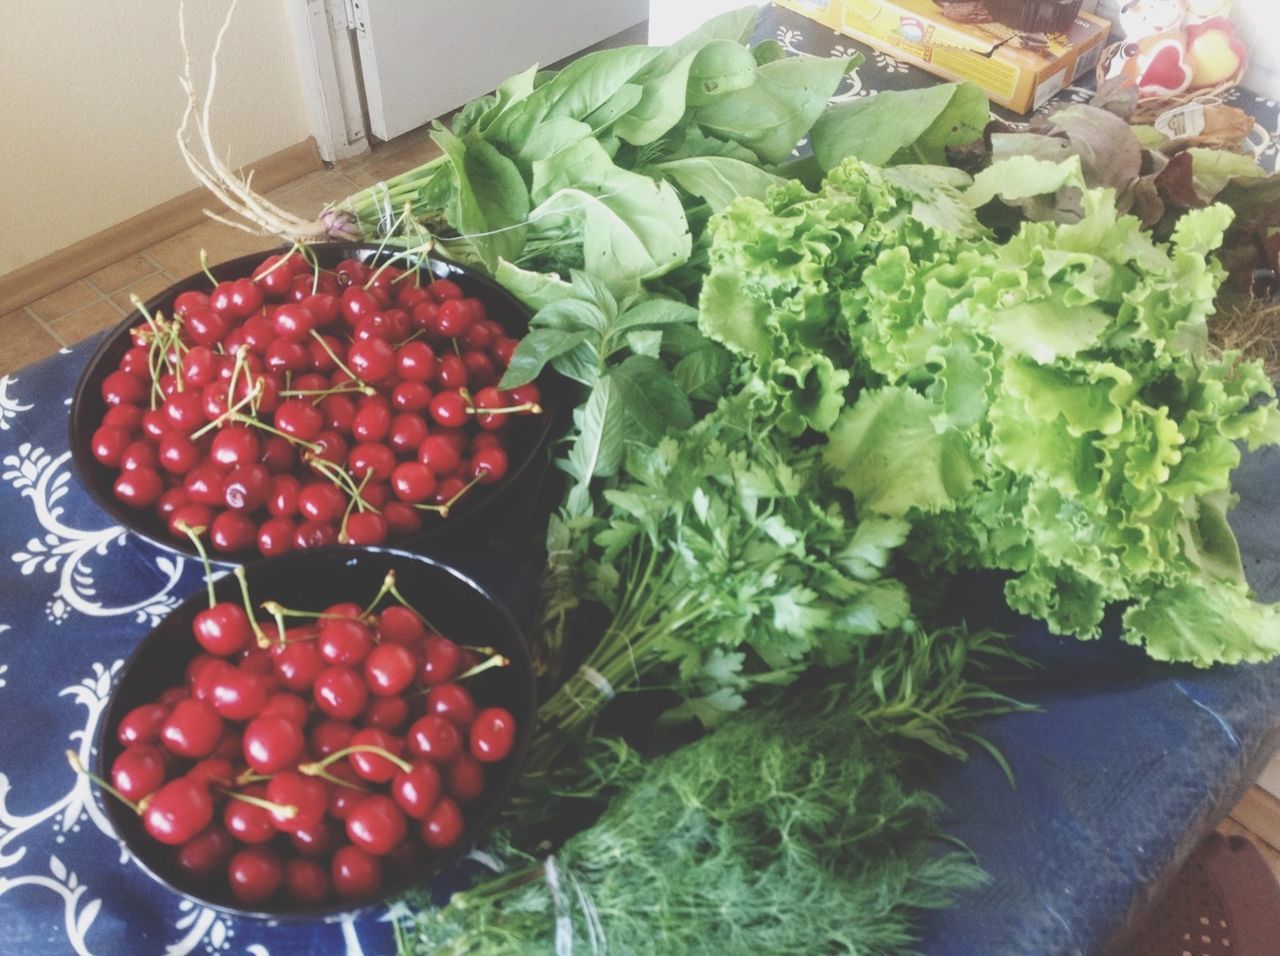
point(1119, 774)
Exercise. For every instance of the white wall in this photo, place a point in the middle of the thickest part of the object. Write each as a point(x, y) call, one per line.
point(90, 104)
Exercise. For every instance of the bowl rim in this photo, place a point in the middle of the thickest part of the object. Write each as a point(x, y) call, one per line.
point(81, 426)
point(103, 740)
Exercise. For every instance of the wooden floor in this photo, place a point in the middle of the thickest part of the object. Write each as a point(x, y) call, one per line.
point(1257, 817)
point(101, 300)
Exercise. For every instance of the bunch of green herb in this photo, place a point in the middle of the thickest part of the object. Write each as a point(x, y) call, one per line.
point(789, 829)
point(592, 167)
point(640, 362)
point(1048, 406)
point(725, 562)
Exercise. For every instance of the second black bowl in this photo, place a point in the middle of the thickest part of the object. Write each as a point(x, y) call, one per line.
point(312, 580)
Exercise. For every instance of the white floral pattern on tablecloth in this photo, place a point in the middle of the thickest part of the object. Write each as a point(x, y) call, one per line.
point(76, 595)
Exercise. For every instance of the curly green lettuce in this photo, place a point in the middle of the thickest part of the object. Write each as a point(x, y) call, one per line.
point(1048, 406)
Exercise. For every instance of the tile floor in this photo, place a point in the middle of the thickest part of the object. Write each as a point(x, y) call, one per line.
point(101, 300)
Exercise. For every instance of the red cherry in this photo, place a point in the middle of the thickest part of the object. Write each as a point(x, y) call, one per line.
point(297, 664)
point(223, 629)
point(178, 811)
point(417, 790)
point(108, 444)
point(369, 765)
point(139, 769)
point(464, 779)
point(272, 743)
point(142, 724)
point(449, 409)
point(376, 825)
point(205, 855)
point(289, 706)
point(389, 669)
point(492, 734)
point(388, 713)
point(355, 873)
point(443, 827)
point(239, 694)
point(345, 641)
point(366, 528)
point(192, 729)
point(277, 536)
point(452, 701)
point(138, 487)
point(249, 822)
point(330, 736)
point(340, 692)
point(371, 359)
point(254, 873)
point(308, 798)
point(401, 625)
point(231, 531)
point(416, 362)
point(306, 882)
point(442, 661)
point(441, 290)
point(435, 738)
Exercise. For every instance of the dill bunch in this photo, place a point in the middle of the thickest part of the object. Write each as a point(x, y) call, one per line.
point(789, 829)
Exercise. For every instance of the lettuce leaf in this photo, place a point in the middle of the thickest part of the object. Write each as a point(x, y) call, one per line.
point(1048, 406)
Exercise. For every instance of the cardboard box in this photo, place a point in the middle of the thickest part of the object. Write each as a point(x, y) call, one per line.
point(1019, 70)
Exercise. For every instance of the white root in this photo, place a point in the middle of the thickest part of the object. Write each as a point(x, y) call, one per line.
point(263, 218)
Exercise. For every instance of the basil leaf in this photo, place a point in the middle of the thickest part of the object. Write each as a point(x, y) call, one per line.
point(534, 351)
point(719, 179)
point(653, 400)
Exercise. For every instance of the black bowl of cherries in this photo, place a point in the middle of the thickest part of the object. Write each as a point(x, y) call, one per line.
point(317, 733)
point(328, 394)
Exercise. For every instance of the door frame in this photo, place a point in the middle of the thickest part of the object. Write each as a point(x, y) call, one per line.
point(330, 76)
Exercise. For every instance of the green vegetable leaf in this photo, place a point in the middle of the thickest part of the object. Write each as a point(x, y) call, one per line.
point(597, 450)
point(719, 68)
point(719, 179)
point(652, 398)
point(889, 451)
point(575, 92)
point(534, 289)
point(491, 203)
point(704, 373)
point(535, 350)
point(919, 123)
point(771, 115)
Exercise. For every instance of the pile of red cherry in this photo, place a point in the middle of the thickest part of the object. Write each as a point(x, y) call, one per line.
point(306, 763)
point(300, 407)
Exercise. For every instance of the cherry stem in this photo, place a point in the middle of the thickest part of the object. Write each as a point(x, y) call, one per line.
point(497, 660)
point(258, 633)
point(272, 606)
point(443, 510)
point(277, 614)
point(357, 501)
point(73, 758)
point(249, 776)
point(326, 392)
point(315, 334)
point(259, 423)
point(204, 266)
point(338, 477)
point(285, 811)
point(483, 649)
point(194, 535)
point(317, 767)
point(389, 587)
point(533, 408)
